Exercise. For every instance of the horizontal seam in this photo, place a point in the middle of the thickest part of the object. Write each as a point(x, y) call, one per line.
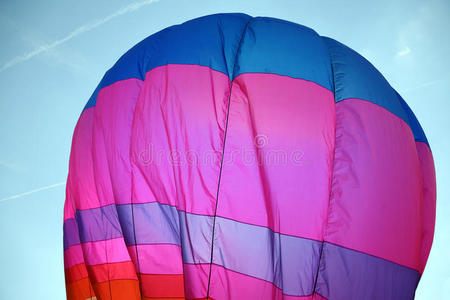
point(227, 76)
point(325, 242)
point(368, 254)
point(384, 108)
point(201, 215)
point(251, 276)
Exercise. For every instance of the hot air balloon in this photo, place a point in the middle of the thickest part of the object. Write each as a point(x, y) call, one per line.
point(238, 157)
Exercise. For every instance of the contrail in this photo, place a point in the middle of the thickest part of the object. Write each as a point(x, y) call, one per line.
point(33, 191)
point(82, 29)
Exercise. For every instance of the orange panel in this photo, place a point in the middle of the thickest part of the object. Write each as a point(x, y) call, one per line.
point(80, 290)
point(118, 289)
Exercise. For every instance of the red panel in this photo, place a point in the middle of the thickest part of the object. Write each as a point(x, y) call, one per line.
point(162, 286)
point(112, 271)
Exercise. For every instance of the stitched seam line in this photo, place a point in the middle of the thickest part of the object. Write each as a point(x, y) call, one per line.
point(331, 179)
point(223, 152)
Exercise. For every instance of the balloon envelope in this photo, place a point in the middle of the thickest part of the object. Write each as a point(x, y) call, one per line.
point(233, 157)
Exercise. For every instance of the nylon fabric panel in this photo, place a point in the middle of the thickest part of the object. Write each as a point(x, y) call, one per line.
point(95, 254)
point(376, 198)
point(357, 78)
point(209, 41)
point(177, 141)
point(347, 274)
point(112, 128)
point(429, 201)
point(279, 47)
point(80, 290)
point(278, 155)
point(73, 256)
point(196, 280)
point(177, 137)
point(158, 258)
point(81, 188)
point(233, 285)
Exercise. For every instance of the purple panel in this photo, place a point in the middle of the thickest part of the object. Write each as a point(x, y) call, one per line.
point(154, 224)
point(289, 262)
point(71, 235)
point(348, 274)
point(98, 224)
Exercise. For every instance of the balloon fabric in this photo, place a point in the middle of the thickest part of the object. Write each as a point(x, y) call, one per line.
point(238, 157)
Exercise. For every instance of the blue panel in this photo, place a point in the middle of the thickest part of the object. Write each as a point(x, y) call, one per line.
point(266, 45)
point(355, 77)
point(284, 48)
point(414, 124)
point(208, 41)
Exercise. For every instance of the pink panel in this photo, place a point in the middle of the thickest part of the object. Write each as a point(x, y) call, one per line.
point(429, 201)
point(196, 280)
point(108, 251)
point(318, 297)
point(376, 202)
point(227, 284)
point(112, 133)
point(69, 210)
point(73, 256)
point(177, 137)
point(100, 165)
point(158, 258)
point(278, 154)
point(80, 183)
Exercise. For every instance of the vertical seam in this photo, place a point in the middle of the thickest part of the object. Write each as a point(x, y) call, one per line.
point(223, 152)
point(94, 117)
point(331, 175)
point(138, 273)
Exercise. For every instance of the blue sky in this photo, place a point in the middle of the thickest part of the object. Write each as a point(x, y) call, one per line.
point(54, 53)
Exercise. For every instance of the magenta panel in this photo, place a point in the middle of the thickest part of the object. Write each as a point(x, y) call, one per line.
point(196, 280)
point(157, 258)
point(107, 251)
point(376, 202)
point(278, 154)
point(227, 284)
point(111, 140)
point(177, 137)
point(99, 168)
point(73, 256)
point(81, 189)
point(429, 201)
